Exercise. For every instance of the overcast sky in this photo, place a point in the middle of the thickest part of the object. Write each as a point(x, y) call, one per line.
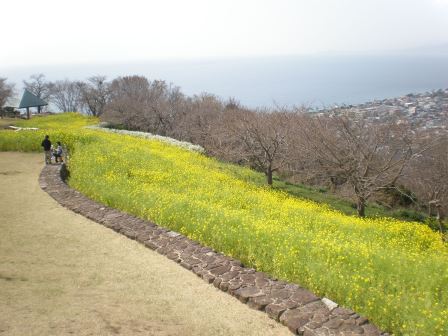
point(93, 31)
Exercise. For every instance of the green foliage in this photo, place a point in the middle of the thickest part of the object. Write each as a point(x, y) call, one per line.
point(399, 196)
point(320, 195)
point(115, 126)
point(437, 225)
point(409, 215)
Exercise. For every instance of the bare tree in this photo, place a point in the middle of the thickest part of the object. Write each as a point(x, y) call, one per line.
point(368, 157)
point(233, 104)
point(95, 94)
point(164, 102)
point(199, 119)
point(66, 95)
point(6, 91)
point(265, 138)
point(428, 178)
point(217, 128)
point(224, 129)
point(128, 102)
point(38, 86)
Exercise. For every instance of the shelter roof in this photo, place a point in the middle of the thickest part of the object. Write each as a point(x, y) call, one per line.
point(31, 100)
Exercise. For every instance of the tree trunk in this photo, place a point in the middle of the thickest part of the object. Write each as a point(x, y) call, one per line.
point(269, 176)
point(439, 217)
point(361, 207)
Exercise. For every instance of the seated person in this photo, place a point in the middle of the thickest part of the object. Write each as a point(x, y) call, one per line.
point(58, 152)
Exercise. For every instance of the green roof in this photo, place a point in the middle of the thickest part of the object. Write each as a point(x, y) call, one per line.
point(31, 100)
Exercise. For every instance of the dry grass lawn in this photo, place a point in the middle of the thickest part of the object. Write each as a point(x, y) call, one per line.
point(61, 274)
point(5, 122)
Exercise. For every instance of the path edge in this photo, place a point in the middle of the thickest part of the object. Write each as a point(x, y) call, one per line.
point(295, 307)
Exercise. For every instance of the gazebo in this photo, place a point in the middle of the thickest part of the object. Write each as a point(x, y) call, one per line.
point(31, 100)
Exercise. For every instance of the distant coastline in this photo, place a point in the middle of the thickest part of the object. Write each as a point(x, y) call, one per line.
point(315, 81)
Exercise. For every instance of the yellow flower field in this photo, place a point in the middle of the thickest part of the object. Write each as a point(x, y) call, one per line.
point(395, 273)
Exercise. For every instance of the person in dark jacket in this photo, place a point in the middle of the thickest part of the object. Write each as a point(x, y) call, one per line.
point(46, 144)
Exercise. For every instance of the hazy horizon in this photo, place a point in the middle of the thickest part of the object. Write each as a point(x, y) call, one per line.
point(258, 51)
point(316, 81)
point(101, 31)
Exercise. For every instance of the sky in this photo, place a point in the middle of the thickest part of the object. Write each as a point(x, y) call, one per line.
point(53, 32)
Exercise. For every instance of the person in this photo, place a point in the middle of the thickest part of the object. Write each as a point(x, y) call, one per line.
point(46, 144)
point(58, 153)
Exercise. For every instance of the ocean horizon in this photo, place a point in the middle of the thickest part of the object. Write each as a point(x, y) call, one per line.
point(313, 81)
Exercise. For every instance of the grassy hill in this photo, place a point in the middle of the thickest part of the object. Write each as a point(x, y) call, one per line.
point(392, 271)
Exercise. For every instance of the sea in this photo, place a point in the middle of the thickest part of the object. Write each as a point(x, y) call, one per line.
point(315, 81)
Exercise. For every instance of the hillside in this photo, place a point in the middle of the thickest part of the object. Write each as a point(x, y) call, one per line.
point(388, 270)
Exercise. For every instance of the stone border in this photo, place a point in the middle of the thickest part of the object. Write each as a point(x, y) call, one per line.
point(297, 308)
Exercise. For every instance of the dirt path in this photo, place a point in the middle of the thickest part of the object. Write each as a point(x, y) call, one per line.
point(57, 279)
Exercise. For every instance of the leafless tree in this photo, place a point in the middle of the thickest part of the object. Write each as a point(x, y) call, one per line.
point(200, 118)
point(38, 86)
point(66, 95)
point(218, 130)
point(265, 137)
point(95, 94)
point(128, 102)
point(224, 129)
point(6, 91)
point(428, 177)
point(367, 157)
point(152, 106)
point(164, 103)
point(233, 104)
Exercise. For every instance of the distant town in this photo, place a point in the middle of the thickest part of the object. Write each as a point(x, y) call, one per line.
point(423, 111)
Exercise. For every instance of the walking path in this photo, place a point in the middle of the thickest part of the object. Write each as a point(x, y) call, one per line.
point(62, 274)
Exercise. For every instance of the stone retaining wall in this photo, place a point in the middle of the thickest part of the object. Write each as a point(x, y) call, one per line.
point(297, 308)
